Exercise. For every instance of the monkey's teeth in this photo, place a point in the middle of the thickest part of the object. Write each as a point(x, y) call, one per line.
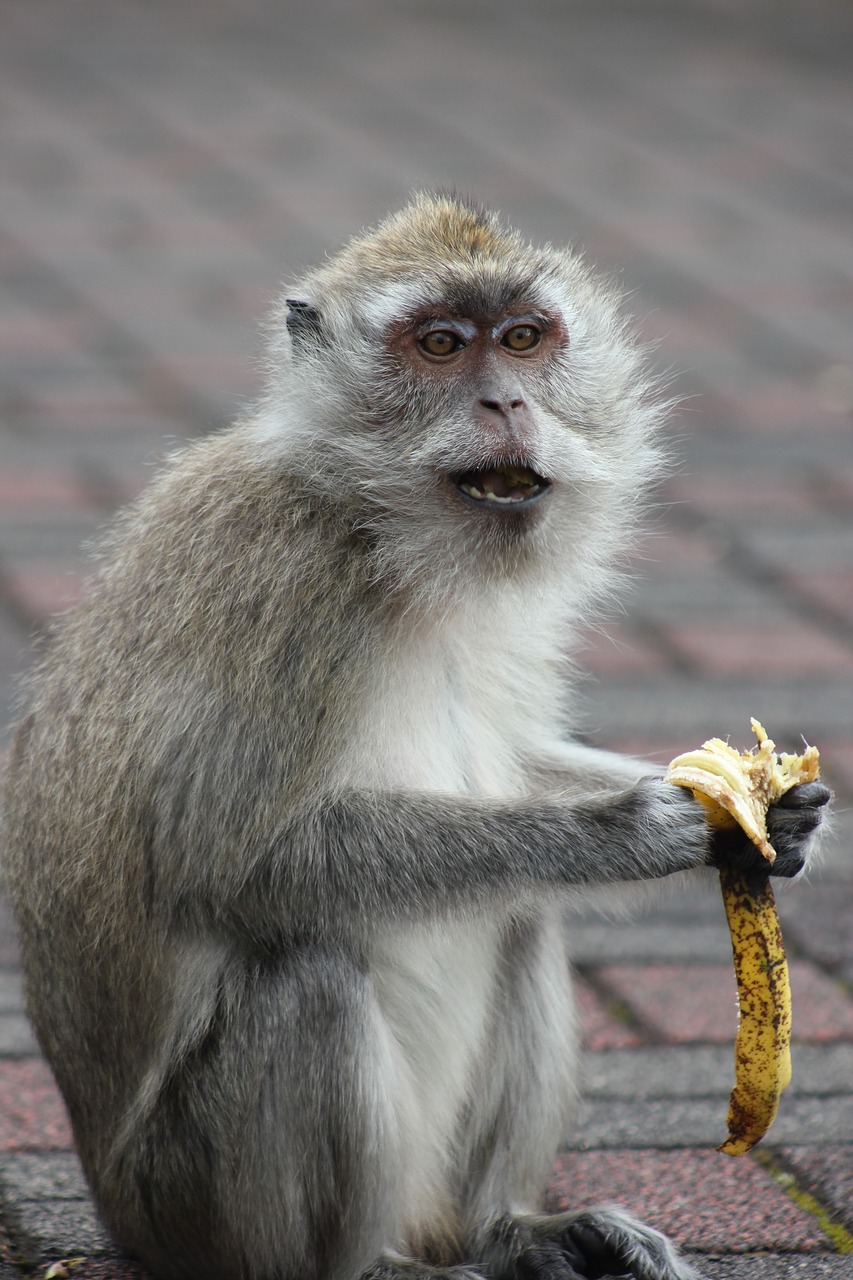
point(507, 486)
point(496, 497)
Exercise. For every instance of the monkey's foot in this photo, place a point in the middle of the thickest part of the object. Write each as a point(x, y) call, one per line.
point(588, 1245)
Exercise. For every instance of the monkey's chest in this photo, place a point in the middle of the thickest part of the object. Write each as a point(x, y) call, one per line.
point(431, 726)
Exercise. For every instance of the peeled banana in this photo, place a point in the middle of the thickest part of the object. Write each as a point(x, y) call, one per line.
point(737, 789)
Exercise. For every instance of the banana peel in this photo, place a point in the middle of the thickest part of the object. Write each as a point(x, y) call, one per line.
point(736, 789)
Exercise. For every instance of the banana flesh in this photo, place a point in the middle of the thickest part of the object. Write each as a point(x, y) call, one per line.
point(737, 788)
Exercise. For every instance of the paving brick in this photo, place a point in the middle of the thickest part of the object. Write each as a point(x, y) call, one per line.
point(16, 1036)
point(50, 490)
point(56, 1175)
point(600, 1027)
point(701, 1122)
point(681, 707)
point(109, 1268)
point(826, 1172)
point(703, 1200)
point(745, 495)
point(825, 547)
point(819, 922)
point(11, 991)
point(694, 1071)
point(832, 589)
point(32, 1113)
point(776, 1266)
point(684, 1003)
point(838, 765)
point(9, 1258)
point(49, 1228)
point(735, 649)
point(640, 939)
point(619, 650)
point(10, 955)
point(162, 173)
point(41, 590)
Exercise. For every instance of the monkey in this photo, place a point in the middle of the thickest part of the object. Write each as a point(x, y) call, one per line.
point(297, 804)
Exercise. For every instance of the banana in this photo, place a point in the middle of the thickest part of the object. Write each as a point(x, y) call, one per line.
point(737, 789)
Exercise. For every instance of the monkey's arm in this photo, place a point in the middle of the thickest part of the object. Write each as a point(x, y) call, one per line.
point(361, 856)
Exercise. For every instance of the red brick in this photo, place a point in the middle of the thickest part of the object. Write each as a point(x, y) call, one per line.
point(600, 1029)
point(703, 1200)
point(656, 554)
point(619, 651)
point(720, 494)
point(839, 485)
point(32, 1113)
point(24, 333)
point(43, 590)
point(57, 491)
point(783, 406)
point(114, 405)
point(756, 649)
point(830, 588)
point(698, 1002)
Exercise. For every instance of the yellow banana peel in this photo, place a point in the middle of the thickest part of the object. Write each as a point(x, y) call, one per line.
point(737, 788)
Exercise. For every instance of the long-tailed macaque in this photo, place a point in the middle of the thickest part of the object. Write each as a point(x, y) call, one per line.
point(294, 809)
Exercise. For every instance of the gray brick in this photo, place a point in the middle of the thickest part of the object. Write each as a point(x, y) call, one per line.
point(16, 1035)
point(780, 1266)
point(638, 940)
point(54, 1175)
point(699, 1122)
point(11, 991)
point(677, 705)
point(682, 1071)
point(60, 1228)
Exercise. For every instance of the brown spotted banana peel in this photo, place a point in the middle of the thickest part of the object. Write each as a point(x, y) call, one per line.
point(736, 789)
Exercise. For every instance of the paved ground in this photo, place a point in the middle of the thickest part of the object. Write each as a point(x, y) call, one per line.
point(164, 166)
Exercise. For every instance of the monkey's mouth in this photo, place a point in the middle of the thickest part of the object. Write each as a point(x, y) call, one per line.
point(502, 485)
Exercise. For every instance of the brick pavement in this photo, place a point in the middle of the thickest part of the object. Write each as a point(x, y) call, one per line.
point(165, 166)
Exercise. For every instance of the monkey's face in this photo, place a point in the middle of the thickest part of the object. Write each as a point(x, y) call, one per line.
point(473, 379)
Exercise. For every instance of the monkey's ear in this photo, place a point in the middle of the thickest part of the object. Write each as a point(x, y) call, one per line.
point(304, 323)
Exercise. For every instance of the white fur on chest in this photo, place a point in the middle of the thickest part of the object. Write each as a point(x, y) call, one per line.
point(462, 708)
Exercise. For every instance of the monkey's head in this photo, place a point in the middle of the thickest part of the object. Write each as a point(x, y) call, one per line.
point(474, 398)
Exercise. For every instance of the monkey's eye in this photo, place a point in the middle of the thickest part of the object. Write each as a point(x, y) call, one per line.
point(521, 337)
point(440, 342)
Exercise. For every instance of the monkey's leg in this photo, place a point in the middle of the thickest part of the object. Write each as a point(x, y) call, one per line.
point(266, 1149)
point(525, 1111)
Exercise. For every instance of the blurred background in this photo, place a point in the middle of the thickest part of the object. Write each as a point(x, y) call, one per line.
point(168, 166)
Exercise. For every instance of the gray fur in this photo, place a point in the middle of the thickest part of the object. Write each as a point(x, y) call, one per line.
point(293, 809)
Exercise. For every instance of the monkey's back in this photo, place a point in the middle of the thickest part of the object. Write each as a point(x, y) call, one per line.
point(209, 660)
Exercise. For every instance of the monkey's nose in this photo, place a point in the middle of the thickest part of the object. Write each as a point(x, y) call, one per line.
point(504, 406)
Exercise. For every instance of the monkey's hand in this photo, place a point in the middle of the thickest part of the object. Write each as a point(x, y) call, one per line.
point(763, 795)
